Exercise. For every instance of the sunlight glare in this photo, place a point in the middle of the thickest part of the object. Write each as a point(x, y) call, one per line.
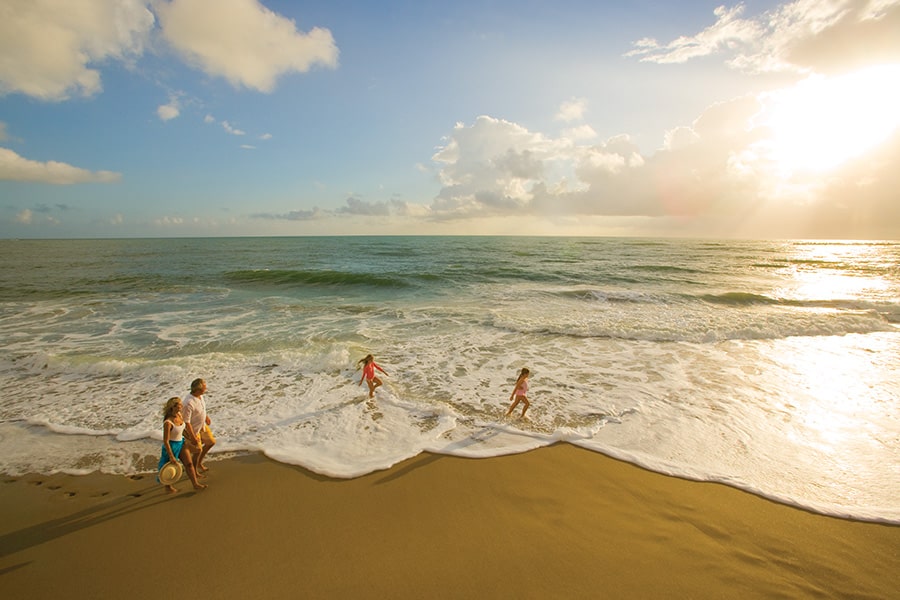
point(822, 273)
point(822, 122)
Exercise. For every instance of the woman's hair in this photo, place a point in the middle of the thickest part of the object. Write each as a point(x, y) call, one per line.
point(364, 361)
point(523, 373)
point(168, 409)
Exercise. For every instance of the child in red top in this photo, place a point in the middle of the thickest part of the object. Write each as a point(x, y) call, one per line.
point(368, 374)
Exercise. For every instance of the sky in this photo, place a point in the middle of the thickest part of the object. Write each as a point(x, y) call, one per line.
point(173, 118)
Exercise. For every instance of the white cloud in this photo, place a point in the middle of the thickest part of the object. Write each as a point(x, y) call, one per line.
point(243, 41)
point(53, 49)
point(169, 221)
point(16, 168)
point(24, 217)
point(209, 119)
point(50, 48)
point(580, 133)
point(493, 167)
point(804, 36)
point(728, 31)
point(357, 206)
point(572, 110)
point(167, 112)
point(711, 172)
point(233, 131)
point(266, 136)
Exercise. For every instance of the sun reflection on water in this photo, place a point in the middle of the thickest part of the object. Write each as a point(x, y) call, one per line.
point(839, 388)
point(837, 271)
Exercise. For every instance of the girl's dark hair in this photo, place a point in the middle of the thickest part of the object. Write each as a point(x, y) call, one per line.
point(369, 358)
point(523, 372)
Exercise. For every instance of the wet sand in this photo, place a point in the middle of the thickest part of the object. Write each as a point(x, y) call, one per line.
point(555, 522)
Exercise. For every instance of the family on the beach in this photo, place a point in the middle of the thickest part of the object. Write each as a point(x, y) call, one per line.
point(187, 435)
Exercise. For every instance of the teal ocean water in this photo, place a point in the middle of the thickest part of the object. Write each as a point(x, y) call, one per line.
point(771, 366)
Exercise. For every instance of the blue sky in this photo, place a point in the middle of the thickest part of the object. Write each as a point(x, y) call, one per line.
point(123, 118)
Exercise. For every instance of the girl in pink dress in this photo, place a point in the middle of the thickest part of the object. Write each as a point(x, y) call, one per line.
point(520, 391)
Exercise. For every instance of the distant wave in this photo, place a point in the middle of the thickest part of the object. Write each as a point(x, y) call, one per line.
point(750, 331)
point(610, 296)
point(887, 311)
point(291, 278)
point(119, 285)
point(738, 299)
point(665, 269)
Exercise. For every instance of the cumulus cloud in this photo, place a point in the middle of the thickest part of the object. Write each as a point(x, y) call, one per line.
point(357, 206)
point(27, 217)
point(803, 36)
point(354, 206)
point(167, 112)
point(572, 110)
point(242, 41)
point(16, 168)
point(491, 167)
point(294, 215)
point(715, 169)
point(232, 130)
point(50, 48)
point(24, 217)
point(53, 49)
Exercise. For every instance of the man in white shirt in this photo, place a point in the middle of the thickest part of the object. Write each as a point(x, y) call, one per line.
point(197, 433)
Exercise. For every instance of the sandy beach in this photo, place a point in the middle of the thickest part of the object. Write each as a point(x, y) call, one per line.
point(556, 522)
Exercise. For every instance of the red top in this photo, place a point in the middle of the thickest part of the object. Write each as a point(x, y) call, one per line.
point(369, 370)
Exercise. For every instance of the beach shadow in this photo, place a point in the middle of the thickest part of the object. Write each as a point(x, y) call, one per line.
point(16, 541)
point(15, 567)
point(415, 464)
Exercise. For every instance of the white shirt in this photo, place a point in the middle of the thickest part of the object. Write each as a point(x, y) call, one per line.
point(194, 412)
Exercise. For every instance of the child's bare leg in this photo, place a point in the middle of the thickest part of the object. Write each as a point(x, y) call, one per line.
point(170, 489)
point(526, 403)
point(512, 407)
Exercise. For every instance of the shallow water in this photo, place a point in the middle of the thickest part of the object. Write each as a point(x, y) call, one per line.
point(769, 366)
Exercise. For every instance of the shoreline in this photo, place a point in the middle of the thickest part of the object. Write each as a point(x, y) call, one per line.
point(556, 521)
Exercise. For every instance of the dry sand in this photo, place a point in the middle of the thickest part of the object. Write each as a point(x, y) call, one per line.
point(558, 522)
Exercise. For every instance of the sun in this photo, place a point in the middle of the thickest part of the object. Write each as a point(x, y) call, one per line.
point(822, 122)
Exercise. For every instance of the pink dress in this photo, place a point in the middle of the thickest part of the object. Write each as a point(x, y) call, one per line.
point(522, 388)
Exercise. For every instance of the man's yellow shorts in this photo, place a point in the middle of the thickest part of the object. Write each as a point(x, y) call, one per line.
point(206, 436)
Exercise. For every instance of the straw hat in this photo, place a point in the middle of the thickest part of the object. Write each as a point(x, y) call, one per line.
point(170, 473)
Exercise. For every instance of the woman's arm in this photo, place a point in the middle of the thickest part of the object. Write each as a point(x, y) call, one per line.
point(167, 429)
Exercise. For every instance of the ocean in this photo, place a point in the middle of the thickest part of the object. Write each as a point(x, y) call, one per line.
point(769, 366)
